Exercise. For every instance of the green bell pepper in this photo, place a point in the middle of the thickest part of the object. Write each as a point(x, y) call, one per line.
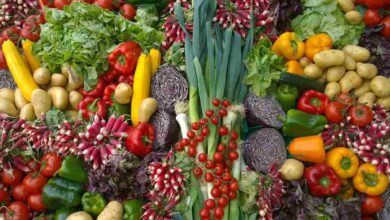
point(72, 168)
point(299, 123)
point(93, 203)
point(287, 96)
point(132, 209)
point(63, 213)
point(160, 4)
point(60, 192)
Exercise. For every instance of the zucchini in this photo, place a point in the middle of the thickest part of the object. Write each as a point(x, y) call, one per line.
point(301, 82)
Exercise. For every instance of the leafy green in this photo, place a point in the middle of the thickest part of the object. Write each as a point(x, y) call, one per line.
point(264, 68)
point(55, 117)
point(323, 16)
point(249, 188)
point(147, 14)
point(175, 56)
point(82, 35)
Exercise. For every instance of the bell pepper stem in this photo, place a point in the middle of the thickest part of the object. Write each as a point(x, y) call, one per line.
point(325, 182)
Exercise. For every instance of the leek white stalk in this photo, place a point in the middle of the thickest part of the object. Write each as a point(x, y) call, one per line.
point(181, 109)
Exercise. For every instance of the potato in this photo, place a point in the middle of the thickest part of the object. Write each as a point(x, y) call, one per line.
point(351, 80)
point(353, 17)
point(346, 5)
point(75, 98)
point(7, 107)
point(112, 211)
point(304, 61)
point(59, 97)
point(58, 80)
point(73, 115)
point(292, 169)
point(27, 112)
point(79, 216)
point(74, 81)
point(359, 54)
point(365, 87)
point(312, 71)
point(123, 93)
point(41, 102)
point(147, 109)
point(328, 58)
point(322, 78)
point(349, 64)
point(19, 99)
point(8, 94)
point(42, 76)
point(380, 86)
point(385, 102)
point(367, 98)
point(366, 70)
point(335, 73)
point(65, 71)
point(332, 89)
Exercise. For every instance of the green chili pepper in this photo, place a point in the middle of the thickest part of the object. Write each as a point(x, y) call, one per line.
point(60, 192)
point(298, 124)
point(287, 96)
point(72, 168)
point(63, 213)
point(132, 209)
point(93, 203)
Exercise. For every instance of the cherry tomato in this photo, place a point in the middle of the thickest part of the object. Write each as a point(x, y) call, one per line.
point(234, 135)
point(195, 126)
point(209, 113)
point(222, 201)
point(216, 102)
point(215, 120)
point(179, 147)
point(107, 4)
point(202, 157)
point(17, 211)
point(199, 138)
point(210, 164)
point(197, 171)
point(215, 192)
point(35, 202)
point(184, 142)
point(4, 198)
point(20, 193)
point(374, 4)
point(34, 183)
point(190, 134)
point(51, 163)
point(222, 112)
point(204, 213)
point(218, 170)
point(203, 121)
point(372, 17)
point(386, 27)
point(191, 152)
point(232, 195)
point(209, 177)
point(218, 213)
point(30, 32)
point(3, 62)
point(226, 103)
point(128, 11)
point(232, 145)
point(372, 204)
point(334, 112)
point(209, 203)
point(223, 130)
point(224, 189)
point(233, 186)
point(221, 148)
point(361, 115)
point(233, 155)
point(60, 4)
point(193, 143)
point(218, 157)
point(217, 182)
point(11, 33)
point(11, 177)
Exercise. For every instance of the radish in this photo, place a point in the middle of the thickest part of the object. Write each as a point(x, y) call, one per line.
point(13, 12)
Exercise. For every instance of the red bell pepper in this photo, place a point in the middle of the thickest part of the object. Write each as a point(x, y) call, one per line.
point(111, 76)
point(322, 180)
point(97, 92)
point(313, 102)
point(139, 139)
point(108, 92)
point(126, 79)
point(91, 106)
point(124, 58)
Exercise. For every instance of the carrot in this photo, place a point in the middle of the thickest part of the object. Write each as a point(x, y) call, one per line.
point(309, 149)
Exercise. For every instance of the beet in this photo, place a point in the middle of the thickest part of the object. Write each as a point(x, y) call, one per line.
point(169, 87)
point(263, 148)
point(166, 128)
point(263, 111)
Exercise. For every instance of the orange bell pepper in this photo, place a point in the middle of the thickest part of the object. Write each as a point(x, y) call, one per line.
point(295, 67)
point(289, 46)
point(309, 149)
point(317, 43)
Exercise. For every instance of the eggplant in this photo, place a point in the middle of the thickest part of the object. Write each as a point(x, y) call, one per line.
point(166, 129)
point(264, 111)
point(263, 148)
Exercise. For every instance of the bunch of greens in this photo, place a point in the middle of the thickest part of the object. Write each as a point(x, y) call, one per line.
point(324, 16)
point(82, 35)
point(264, 68)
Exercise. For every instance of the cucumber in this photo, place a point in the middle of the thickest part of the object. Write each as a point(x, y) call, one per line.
point(301, 82)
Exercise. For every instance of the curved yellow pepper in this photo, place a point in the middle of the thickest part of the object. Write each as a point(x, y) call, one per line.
point(33, 61)
point(295, 67)
point(344, 161)
point(369, 181)
point(289, 46)
point(317, 43)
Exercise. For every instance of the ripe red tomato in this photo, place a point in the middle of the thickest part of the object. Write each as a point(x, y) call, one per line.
point(47, 3)
point(371, 204)
point(345, 98)
point(11, 33)
point(3, 62)
point(372, 17)
point(34, 166)
point(30, 32)
point(334, 112)
point(107, 4)
point(34, 183)
point(386, 27)
point(128, 11)
point(35, 202)
point(60, 4)
point(20, 193)
point(361, 115)
point(374, 4)
point(17, 211)
point(4, 198)
point(367, 217)
point(11, 177)
point(51, 163)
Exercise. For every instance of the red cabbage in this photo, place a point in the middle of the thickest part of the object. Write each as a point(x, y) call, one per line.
point(284, 11)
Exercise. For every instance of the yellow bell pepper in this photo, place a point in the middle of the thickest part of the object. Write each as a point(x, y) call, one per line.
point(141, 85)
point(19, 70)
point(344, 161)
point(317, 43)
point(155, 55)
point(33, 61)
point(295, 67)
point(369, 181)
point(289, 46)
point(346, 189)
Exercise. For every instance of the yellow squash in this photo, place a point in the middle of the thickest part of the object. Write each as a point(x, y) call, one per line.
point(155, 56)
point(33, 61)
point(19, 70)
point(141, 85)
